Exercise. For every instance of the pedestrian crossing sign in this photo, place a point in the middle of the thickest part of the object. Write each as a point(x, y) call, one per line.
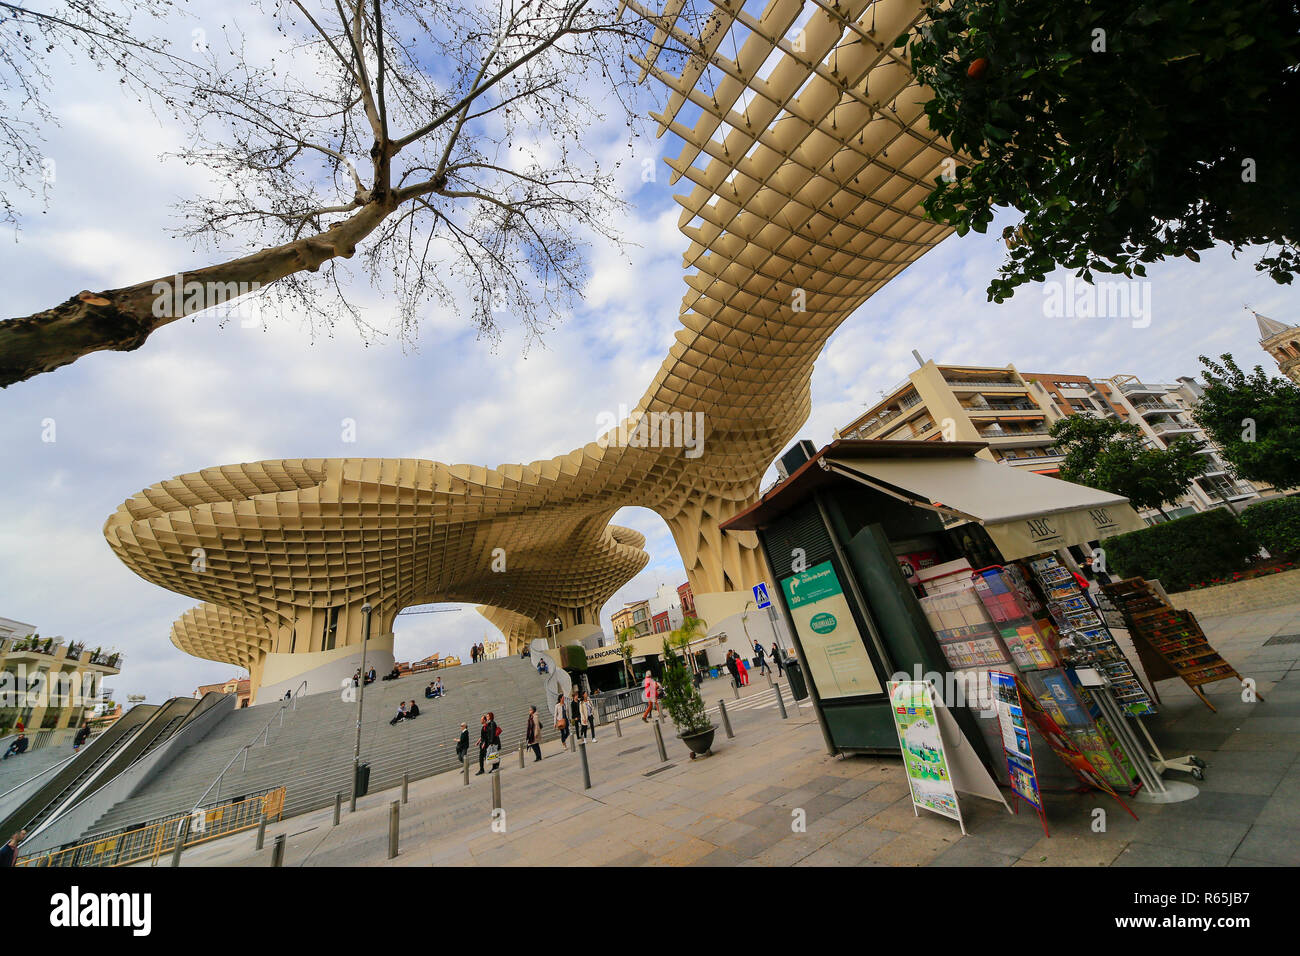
point(760, 596)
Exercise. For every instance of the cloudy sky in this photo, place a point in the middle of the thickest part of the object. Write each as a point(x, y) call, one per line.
point(205, 393)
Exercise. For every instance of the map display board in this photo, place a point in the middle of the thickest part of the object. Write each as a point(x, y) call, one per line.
point(833, 649)
point(917, 723)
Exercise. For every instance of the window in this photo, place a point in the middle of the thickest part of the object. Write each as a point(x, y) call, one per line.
point(330, 635)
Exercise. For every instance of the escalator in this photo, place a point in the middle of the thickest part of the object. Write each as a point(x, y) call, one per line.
point(138, 732)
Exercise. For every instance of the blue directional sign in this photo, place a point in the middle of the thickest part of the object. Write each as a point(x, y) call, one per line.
point(760, 596)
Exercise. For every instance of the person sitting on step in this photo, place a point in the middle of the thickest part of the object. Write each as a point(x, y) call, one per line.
point(401, 714)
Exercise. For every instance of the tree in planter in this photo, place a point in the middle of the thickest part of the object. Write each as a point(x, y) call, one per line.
point(1254, 419)
point(442, 145)
point(684, 703)
point(1124, 132)
point(1112, 456)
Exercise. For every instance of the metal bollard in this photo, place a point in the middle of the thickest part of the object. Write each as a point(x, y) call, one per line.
point(618, 727)
point(726, 721)
point(338, 807)
point(496, 791)
point(181, 833)
point(735, 689)
point(659, 739)
point(573, 742)
point(521, 756)
point(261, 832)
point(465, 763)
point(277, 851)
point(406, 780)
point(394, 818)
point(780, 702)
point(586, 770)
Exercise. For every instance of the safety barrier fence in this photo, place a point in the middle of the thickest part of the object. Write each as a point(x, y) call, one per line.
point(152, 841)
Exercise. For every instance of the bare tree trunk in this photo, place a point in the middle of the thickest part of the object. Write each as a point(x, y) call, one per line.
point(121, 320)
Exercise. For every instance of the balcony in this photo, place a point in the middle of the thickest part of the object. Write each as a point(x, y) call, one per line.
point(1152, 408)
point(1140, 388)
point(985, 383)
point(1034, 455)
point(1000, 409)
point(1011, 438)
point(1172, 427)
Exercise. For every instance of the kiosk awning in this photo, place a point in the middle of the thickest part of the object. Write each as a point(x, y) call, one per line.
point(1024, 513)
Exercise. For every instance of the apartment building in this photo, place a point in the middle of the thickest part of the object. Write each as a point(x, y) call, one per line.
point(1014, 412)
point(49, 683)
point(1163, 412)
point(965, 403)
point(634, 614)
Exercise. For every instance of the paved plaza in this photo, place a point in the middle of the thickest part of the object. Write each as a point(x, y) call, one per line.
point(740, 807)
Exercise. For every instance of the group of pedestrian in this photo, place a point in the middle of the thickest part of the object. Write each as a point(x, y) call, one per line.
point(405, 712)
point(578, 716)
point(737, 668)
point(434, 690)
point(370, 677)
point(476, 653)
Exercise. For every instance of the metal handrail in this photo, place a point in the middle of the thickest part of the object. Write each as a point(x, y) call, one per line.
point(264, 733)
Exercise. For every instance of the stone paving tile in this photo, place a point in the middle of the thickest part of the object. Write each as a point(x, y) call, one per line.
point(968, 853)
point(1153, 854)
point(1062, 850)
point(1269, 844)
point(914, 848)
point(832, 855)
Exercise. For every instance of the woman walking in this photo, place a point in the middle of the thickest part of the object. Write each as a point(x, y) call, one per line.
point(649, 693)
point(561, 721)
point(589, 715)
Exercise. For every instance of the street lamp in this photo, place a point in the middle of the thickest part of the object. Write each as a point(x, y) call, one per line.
point(361, 699)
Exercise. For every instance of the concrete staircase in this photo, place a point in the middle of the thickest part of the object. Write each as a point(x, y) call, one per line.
point(310, 754)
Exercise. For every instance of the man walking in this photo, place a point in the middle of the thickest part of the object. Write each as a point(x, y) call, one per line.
point(462, 745)
point(575, 714)
point(9, 852)
point(761, 660)
point(533, 735)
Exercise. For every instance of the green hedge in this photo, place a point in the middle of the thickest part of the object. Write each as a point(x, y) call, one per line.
point(1184, 552)
point(1276, 525)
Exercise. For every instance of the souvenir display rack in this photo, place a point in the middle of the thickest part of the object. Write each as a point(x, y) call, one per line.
point(1170, 642)
point(1085, 639)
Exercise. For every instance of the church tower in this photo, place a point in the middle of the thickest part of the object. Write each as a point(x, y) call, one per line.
point(1282, 342)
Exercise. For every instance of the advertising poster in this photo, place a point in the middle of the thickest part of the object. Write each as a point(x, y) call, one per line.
point(833, 648)
point(917, 724)
point(1015, 738)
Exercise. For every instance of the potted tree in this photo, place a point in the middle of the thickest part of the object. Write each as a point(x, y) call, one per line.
point(684, 703)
